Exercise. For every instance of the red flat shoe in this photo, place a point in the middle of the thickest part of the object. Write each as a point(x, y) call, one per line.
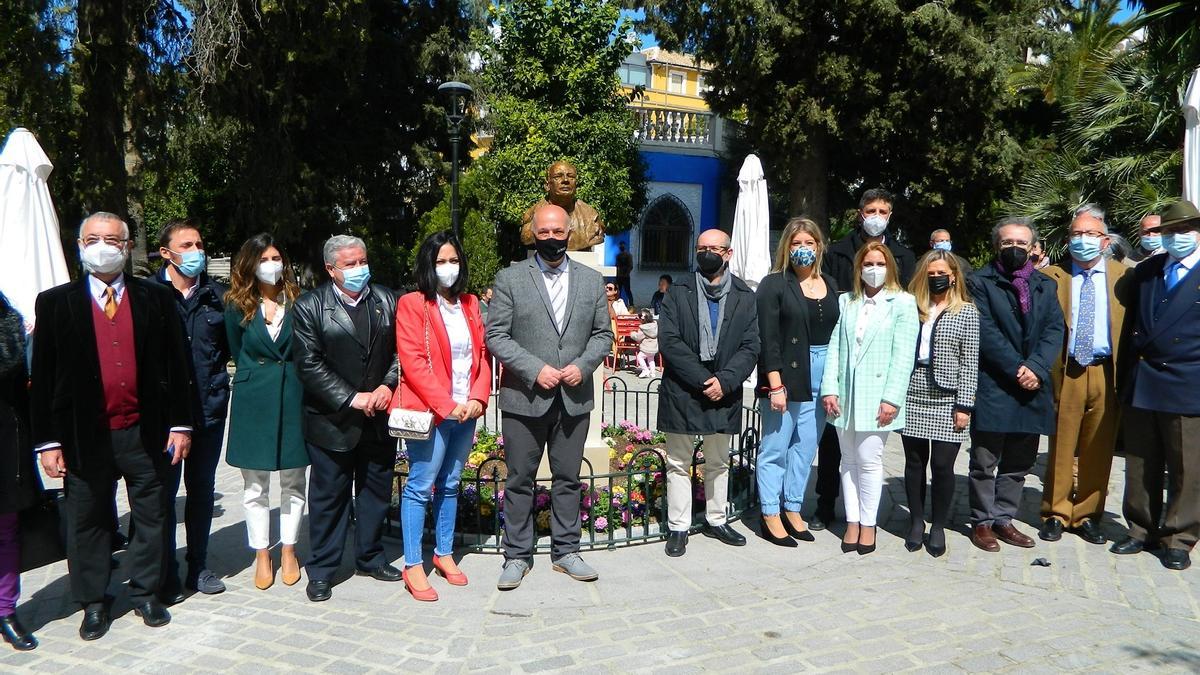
point(453, 578)
point(427, 595)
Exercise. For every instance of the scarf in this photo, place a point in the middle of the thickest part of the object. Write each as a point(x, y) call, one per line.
point(716, 293)
point(1020, 279)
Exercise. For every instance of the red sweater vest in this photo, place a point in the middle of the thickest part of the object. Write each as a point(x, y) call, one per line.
point(118, 364)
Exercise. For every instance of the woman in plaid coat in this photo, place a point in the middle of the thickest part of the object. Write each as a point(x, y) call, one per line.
point(866, 377)
point(941, 392)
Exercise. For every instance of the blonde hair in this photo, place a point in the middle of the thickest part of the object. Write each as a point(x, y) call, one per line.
point(957, 296)
point(783, 252)
point(891, 281)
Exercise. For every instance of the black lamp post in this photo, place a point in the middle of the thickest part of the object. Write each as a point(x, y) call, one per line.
point(456, 111)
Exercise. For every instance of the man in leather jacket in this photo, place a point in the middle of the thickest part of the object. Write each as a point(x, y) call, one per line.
point(346, 358)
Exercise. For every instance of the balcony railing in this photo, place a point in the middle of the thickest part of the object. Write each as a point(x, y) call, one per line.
point(661, 126)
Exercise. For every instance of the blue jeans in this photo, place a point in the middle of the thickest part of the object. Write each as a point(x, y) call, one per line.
point(434, 465)
point(789, 444)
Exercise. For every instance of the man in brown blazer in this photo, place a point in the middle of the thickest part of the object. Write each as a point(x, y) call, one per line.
point(1092, 291)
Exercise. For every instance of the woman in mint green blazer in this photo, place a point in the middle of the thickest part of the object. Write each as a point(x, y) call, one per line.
point(870, 358)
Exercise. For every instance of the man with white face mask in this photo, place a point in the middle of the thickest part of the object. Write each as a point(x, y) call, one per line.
point(1149, 240)
point(874, 215)
point(1092, 291)
point(111, 343)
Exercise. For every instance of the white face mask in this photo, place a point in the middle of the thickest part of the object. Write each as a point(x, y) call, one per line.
point(269, 272)
point(102, 258)
point(874, 225)
point(874, 276)
point(447, 274)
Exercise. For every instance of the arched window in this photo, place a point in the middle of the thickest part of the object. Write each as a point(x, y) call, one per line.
point(666, 234)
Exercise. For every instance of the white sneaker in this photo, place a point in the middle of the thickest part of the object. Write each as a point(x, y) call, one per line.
point(644, 374)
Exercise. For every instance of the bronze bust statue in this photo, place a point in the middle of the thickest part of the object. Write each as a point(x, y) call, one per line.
point(587, 229)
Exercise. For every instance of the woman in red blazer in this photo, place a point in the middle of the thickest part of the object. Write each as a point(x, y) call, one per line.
point(444, 368)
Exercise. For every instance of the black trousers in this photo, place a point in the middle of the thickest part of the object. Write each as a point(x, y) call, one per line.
point(999, 464)
point(90, 524)
point(525, 438)
point(917, 455)
point(198, 473)
point(829, 480)
point(369, 469)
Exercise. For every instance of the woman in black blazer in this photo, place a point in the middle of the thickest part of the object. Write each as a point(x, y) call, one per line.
point(797, 312)
point(941, 392)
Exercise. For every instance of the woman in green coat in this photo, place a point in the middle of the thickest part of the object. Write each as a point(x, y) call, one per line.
point(264, 415)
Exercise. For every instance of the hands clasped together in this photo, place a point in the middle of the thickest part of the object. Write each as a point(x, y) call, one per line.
point(550, 377)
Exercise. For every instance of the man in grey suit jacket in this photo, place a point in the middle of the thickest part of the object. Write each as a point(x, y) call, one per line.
point(548, 326)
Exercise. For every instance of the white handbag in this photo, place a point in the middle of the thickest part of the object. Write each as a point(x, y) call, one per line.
point(413, 425)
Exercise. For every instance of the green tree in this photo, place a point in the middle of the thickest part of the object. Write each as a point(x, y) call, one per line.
point(550, 91)
point(838, 97)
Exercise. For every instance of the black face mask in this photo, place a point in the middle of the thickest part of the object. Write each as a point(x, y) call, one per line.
point(551, 250)
point(1013, 258)
point(939, 284)
point(709, 263)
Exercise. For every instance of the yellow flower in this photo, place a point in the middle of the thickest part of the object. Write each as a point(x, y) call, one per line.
point(617, 489)
point(612, 454)
point(477, 458)
point(628, 456)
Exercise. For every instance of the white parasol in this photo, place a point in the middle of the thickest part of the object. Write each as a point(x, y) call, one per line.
point(31, 253)
point(751, 225)
point(1191, 140)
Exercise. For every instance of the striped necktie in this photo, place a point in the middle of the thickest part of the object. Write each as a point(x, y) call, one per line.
point(110, 302)
point(558, 295)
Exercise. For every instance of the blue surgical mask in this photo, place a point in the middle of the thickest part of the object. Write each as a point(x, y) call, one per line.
point(1180, 244)
point(803, 256)
point(1084, 248)
point(1151, 242)
point(942, 246)
point(191, 263)
point(355, 278)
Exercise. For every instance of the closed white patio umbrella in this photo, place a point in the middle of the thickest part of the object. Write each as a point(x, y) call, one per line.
point(1191, 140)
point(751, 225)
point(31, 253)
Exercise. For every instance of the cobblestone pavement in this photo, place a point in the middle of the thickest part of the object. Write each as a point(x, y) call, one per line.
point(759, 608)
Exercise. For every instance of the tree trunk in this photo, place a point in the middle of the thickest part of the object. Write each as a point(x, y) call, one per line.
point(102, 58)
point(133, 197)
point(809, 189)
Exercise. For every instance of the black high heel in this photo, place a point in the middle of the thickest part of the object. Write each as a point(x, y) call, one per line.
point(848, 547)
point(915, 534)
point(784, 541)
point(802, 535)
point(936, 546)
point(863, 549)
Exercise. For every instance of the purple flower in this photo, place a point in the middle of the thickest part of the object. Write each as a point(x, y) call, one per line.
point(616, 501)
point(601, 523)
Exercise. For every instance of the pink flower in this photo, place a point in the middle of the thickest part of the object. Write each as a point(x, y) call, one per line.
point(602, 523)
point(629, 448)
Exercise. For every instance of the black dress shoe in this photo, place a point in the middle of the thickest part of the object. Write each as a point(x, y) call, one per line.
point(1176, 559)
point(153, 613)
point(16, 635)
point(1090, 532)
point(1051, 530)
point(784, 541)
point(1128, 546)
point(800, 535)
point(319, 591)
point(172, 593)
point(95, 623)
point(384, 572)
point(724, 534)
point(677, 544)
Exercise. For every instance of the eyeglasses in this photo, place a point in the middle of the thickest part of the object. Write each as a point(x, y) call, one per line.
point(111, 241)
point(1091, 233)
point(712, 249)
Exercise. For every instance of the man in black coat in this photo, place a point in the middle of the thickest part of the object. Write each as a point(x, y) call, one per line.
point(1021, 330)
point(345, 355)
point(874, 213)
point(708, 332)
point(111, 398)
point(1158, 387)
point(201, 305)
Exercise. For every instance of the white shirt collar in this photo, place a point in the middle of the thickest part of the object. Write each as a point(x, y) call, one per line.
point(97, 287)
point(546, 268)
point(1098, 268)
point(353, 302)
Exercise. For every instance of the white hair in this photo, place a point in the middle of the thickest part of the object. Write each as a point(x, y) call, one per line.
point(1092, 211)
point(339, 242)
point(104, 215)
